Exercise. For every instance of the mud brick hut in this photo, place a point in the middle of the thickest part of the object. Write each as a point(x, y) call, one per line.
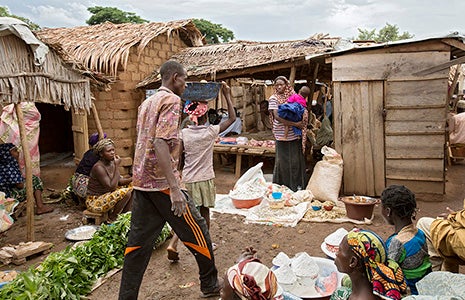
point(127, 53)
point(245, 65)
point(390, 106)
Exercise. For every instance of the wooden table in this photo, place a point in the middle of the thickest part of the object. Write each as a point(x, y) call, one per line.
point(240, 150)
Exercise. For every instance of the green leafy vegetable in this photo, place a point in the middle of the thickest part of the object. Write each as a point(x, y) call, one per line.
point(70, 274)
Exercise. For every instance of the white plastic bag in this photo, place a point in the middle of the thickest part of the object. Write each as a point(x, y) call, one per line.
point(255, 174)
point(326, 179)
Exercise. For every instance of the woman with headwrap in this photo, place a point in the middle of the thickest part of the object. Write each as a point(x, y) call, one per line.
point(362, 255)
point(12, 181)
point(80, 178)
point(249, 279)
point(107, 191)
point(289, 167)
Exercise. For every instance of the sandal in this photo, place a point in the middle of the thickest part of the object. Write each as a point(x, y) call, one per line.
point(173, 255)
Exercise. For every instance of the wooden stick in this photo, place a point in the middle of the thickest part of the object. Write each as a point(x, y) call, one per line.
point(27, 161)
point(452, 87)
point(97, 121)
point(292, 76)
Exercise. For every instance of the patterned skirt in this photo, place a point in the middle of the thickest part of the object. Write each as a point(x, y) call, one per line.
point(79, 184)
point(107, 201)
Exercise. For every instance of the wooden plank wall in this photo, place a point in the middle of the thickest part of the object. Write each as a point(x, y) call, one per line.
point(415, 134)
point(415, 119)
point(358, 108)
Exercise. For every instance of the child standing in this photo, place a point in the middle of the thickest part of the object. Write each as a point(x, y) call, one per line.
point(198, 174)
point(407, 246)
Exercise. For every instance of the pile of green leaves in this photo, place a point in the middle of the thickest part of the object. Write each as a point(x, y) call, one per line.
point(70, 274)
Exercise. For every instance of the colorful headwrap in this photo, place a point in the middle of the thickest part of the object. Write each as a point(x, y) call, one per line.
point(385, 274)
point(252, 280)
point(287, 92)
point(102, 144)
point(93, 139)
point(195, 110)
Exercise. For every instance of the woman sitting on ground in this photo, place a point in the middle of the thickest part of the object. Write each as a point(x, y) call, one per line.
point(12, 181)
point(107, 191)
point(362, 255)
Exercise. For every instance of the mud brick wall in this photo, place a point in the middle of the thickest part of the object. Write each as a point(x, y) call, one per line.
point(117, 108)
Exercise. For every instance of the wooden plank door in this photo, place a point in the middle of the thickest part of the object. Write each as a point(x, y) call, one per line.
point(359, 135)
point(415, 130)
point(80, 134)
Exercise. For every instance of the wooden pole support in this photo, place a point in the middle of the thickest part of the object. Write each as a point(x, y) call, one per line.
point(27, 161)
point(97, 121)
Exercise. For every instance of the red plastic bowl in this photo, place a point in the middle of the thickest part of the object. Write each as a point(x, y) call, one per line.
point(246, 203)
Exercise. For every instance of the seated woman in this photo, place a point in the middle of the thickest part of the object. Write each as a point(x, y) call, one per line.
point(250, 279)
point(362, 255)
point(107, 191)
point(12, 182)
point(80, 178)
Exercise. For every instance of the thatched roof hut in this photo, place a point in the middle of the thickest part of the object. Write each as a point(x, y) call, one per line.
point(29, 71)
point(44, 77)
point(106, 47)
point(259, 60)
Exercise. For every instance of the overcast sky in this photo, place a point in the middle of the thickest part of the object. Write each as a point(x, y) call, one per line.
point(270, 20)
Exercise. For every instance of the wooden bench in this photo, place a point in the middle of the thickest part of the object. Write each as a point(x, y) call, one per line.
point(98, 218)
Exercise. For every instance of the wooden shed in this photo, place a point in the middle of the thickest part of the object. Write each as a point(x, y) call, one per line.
point(127, 53)
point(247, 64)
point(390, 106)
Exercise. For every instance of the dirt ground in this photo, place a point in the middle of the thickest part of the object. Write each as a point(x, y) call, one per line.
point(165, 280)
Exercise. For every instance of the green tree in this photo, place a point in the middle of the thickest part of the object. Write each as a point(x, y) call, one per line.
point(213, 32)
point(388, 33)
point(5, 12)
point(112, 14)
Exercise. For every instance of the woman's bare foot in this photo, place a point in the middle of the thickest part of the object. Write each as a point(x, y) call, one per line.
point(44, 210)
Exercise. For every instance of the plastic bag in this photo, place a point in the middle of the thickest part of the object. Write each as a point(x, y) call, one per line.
point(326, 179)
point(255, 174)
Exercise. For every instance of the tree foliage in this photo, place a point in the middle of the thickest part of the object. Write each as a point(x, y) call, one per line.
point(112, 14)
point(213, 32)
point(388, 33)
point(5, 12)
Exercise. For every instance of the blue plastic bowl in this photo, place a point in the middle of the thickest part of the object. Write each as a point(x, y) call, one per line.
point(276, 195)
point(314, 207)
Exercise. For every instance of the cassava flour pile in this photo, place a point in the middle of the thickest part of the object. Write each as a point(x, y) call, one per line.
point(248, 190)
point(297, 275)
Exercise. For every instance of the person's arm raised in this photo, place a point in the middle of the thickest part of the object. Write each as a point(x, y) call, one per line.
point(226, 90)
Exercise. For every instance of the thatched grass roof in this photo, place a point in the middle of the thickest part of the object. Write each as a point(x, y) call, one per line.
point(106, 47)
point(208, 61)
point(52, 82)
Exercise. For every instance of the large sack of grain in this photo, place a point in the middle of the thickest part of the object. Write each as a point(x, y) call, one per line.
point(326, 179)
